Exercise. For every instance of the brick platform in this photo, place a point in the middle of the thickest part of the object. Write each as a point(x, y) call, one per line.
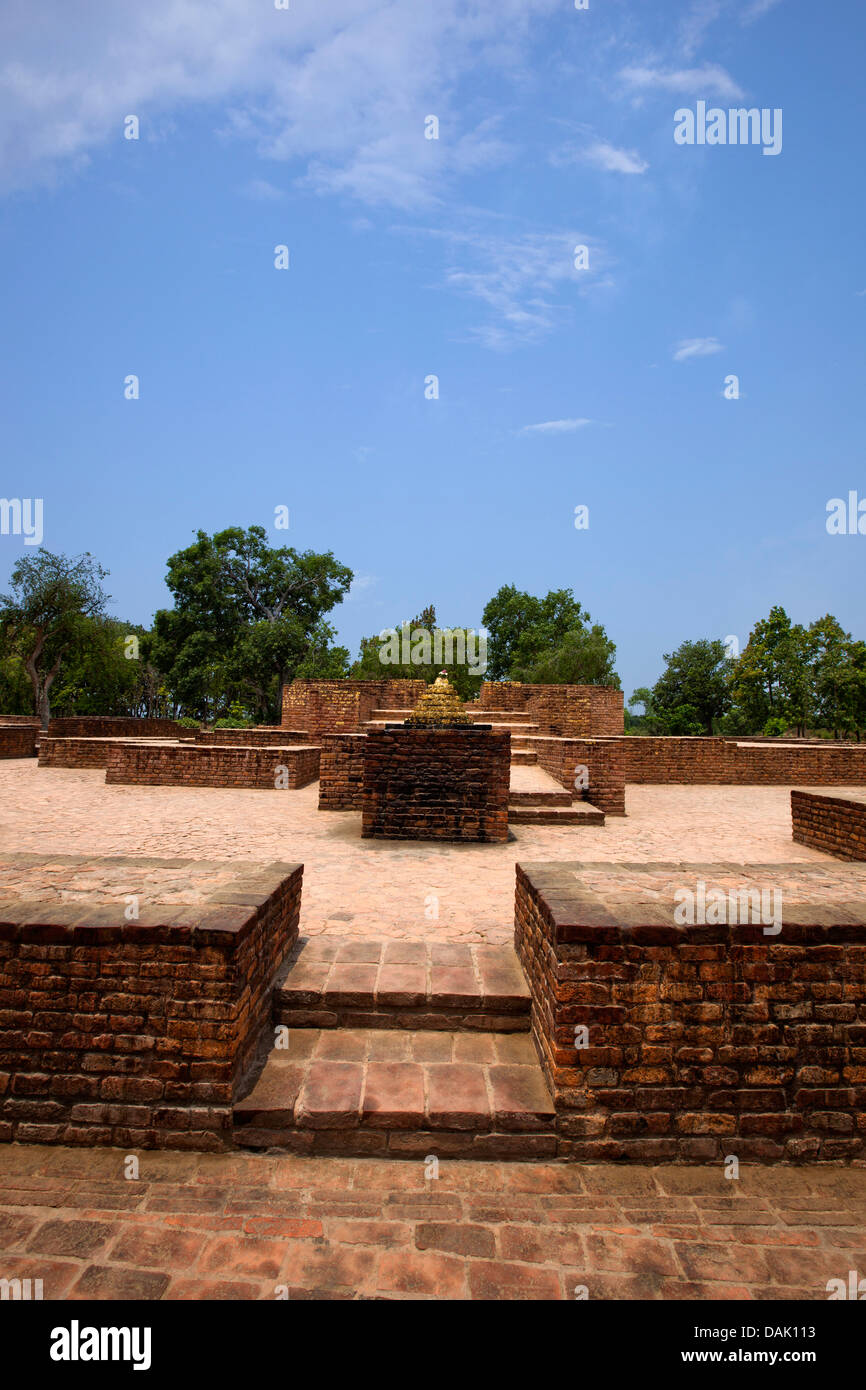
point(436, 784)
point(135, 1032)
point(402, 984)
point(18, 740)
point(63, 751)
point(834, 824)
point(703, 1041)
point(200, 765)
point(262, 736)
point(703, 761)
point(116, 726)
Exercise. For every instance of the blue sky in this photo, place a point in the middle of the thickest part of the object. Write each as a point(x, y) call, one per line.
point(454, 257)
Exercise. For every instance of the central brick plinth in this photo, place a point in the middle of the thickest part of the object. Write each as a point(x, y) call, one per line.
point(436, 784)
point(136, 1032)
point(663, 1041)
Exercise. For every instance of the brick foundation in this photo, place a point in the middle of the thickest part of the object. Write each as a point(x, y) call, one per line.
point(341, 772)
point(702, 761)
point(601, 757)
point(116, 726)
point(138, 1034)
point(703, 1041)
point(263, 736)
point(18, 740)
point(565, 711)
point(436, 784)
point(834, 824)
point(75, 752)
point(185, 765)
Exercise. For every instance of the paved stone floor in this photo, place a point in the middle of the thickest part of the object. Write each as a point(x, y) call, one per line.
point(255, 1227)
point(373, 888)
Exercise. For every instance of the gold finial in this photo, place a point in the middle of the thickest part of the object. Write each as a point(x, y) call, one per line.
point(440, 705)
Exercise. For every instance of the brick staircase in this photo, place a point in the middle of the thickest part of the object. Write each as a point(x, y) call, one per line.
point(401, 1048)
point(517, 723)
point(536, 798)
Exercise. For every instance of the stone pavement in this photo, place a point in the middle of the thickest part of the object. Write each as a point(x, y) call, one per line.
point(258, 1227)
point(371, 888)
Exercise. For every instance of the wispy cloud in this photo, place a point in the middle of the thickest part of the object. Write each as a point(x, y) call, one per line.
point(709, 80)
point(757, 9)
point(360, 586)
point(262, 191)
point(615, 161)
point(555, 427)
point(697, 347)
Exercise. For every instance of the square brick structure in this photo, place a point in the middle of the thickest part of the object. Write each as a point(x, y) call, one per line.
point(834, 824)
point(138, 1033)
point(700, 1041)
point(449, 783)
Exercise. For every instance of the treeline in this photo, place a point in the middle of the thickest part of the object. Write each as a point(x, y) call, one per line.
point(788, 679)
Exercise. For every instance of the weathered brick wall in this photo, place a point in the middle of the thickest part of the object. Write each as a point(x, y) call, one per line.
point(20, 719)
point(262, 736)
point(116, 726)
point(139, 1034)
point(436, 784)
point(330, 707)
point(696, 761)
point(836, 825)
point(702, 1041)
point(18, 740)
point(74, 752)
point(341, 772)
point(561, 757)
point(185, 765)
point(565, 711)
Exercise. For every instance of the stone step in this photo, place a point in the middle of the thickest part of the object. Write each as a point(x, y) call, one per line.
point(355, 983)
point(539, 798)
point(523, 758)
point(579, 813)
point(402, 1094)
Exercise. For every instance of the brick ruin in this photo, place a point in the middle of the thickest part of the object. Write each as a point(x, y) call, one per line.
point(436, 784)
point(662, 1041)
point(834, 824)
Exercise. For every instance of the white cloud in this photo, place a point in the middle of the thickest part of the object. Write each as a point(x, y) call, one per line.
point(711, 80)
point(262, 191)
point(616, 161)
point(340, 89)
point(697, 347)
point(361, 585)
point(757, 9)
point(555, 427)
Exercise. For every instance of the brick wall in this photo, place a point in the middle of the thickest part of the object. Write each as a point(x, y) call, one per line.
point(436, 784)
point(139, 1034)
point(74, 752)
point(116, 726)
point(331, 707)
point(20, 719)
point(18, 740)
point(185, 765)
point(341, 772)
point(262, 736)
point(694, 761)
point(604, 763)
point(566, 711)
point(702, 1041)
point(834, 824)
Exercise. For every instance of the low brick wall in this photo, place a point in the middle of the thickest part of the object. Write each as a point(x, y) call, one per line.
point(197, 765)
point(18, 740)
point(31, 719)
point(436, 784)
point(564, 711)
point(604, 763)
point(701, 761)
point(341, 772)
point(834, 824)
point(260, 737)
point(700, 1041)
point(139, 1033)
point(75, 752)
point(116, 726)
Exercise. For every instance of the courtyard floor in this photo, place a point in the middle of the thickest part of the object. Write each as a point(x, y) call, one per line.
point(372, 888)
point(254, 1227)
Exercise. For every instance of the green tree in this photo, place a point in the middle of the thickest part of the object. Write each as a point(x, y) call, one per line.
point(246, 619)
point(465, 679)
point(43, 621)
point(546, 640)
point(108, 672)
point(693, 689)
point(770, 680)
